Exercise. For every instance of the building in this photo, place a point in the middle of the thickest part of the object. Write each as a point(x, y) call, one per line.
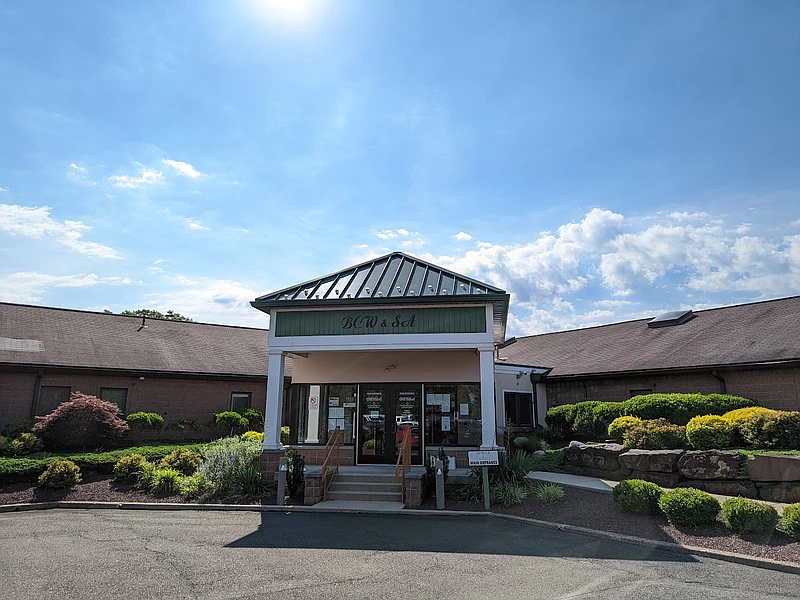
point(391, 345)
point(751, 350)
point(179, 370)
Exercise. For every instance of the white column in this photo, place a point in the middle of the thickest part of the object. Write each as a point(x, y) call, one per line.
point(489, 429)
point(274, 409)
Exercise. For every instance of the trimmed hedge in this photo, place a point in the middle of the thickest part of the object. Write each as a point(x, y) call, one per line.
point(620, 426)
point(772, 430)
point(743, 516)
point(790, 521)
point(638, 496)
point(589, 419)
point(60, 474)
point(11, 468)
point(655, 434)
point(686, 507)
point(710, 431)
point(146, 420)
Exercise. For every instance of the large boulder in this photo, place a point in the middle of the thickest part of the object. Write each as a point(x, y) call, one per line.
point(660, 461)
point(779, 492)
point(724, 487)
point(712, 464)
point(604, 457)
point(770, 467)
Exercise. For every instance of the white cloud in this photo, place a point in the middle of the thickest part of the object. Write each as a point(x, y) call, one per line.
point(183, 168)
point(211, 301)
point(413, 243)
point(31, 287)
point(3, 189)
point(650, 264)
point(404, 232)
point(389, 234)
point(36, 222)
point(462, 236)
point(386, 234)
point(145, 178)
point(195, 225)
point(80, 175)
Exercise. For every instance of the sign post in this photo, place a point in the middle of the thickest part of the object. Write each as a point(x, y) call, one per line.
point(484, 459)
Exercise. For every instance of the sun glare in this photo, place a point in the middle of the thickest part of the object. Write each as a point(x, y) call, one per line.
point(295, 11)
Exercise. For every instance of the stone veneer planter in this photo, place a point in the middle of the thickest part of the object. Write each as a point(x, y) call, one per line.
point(767, 477)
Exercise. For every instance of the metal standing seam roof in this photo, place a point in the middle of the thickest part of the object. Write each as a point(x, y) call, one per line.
point(390, 279)
point(758, 333)
point(56, 337)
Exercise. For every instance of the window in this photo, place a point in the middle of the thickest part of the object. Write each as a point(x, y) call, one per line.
point(118, 396)
point(640, 392)
point(241, 400)
point(453, 414)
point(50, 397)
point(519, 409)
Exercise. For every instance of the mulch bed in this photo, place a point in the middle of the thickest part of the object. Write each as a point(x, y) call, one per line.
point(596, 510)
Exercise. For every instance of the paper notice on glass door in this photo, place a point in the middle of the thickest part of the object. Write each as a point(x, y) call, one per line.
point(445, 423)
point(464, 410)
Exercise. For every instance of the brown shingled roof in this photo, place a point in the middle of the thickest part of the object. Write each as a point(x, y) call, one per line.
point(746, 334)
point(81, 339)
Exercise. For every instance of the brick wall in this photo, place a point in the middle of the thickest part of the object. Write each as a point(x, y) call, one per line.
point(172, 398)
point(773, 388)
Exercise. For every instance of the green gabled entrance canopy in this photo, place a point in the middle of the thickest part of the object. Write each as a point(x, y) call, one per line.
point(395, 278)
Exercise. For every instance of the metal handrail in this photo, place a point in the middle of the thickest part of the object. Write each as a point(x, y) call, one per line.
point(403, 464)
point(332, 459)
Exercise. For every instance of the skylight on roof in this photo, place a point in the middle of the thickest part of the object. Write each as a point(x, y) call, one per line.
point(669, 319)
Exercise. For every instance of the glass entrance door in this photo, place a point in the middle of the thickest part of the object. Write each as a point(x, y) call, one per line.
point(387, 412)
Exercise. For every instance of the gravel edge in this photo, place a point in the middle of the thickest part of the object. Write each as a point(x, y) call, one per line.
point(627, 539)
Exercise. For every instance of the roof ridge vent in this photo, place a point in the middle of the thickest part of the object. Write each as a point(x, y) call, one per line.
point(670, 319)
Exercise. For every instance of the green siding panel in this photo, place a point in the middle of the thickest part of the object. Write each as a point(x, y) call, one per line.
point(461, 319)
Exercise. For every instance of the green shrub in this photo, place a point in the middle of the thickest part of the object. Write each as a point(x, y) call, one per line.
point(255, 420)
point(709, 432)
point(508, 493)
point(181, 424)
point(231, 419)
point(284, 435)
point(144, 480)
point(253, 435)
point(194, 486)
point(165, 482)
point(513, 468)
point(5, 445)
point(655, 434)
point(790, 521)
point(82, 422)
point(14, 430)
point(560, 419)
point(183, 460)
point(638, 496)
point(772, 430)
point(60, 474)
point(225, 460)
point(249, 485)
point(584, 424)
point(686, 507)
point(146, 420)
point(129, 467)
point(620, 426)
point(532, 443)
point(587, 419)
point(295, 475)
point(548, 492)
point(743, 516)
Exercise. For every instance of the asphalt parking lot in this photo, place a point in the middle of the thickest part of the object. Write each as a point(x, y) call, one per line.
point(188, 554)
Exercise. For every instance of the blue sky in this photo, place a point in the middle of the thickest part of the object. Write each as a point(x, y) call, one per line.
point(599, 160)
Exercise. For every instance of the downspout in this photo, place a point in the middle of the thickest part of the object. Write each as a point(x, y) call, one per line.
point(535, 378)
point(721, 379)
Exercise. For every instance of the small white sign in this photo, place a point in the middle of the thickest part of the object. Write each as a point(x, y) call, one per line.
point(445, 423)
point(483, 458)
point(313, 403)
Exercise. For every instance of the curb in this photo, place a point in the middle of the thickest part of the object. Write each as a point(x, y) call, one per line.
point(752, 561)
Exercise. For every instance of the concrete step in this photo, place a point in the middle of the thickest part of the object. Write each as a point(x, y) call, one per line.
point(361, 496)
point(366, 478)
point(366, 486)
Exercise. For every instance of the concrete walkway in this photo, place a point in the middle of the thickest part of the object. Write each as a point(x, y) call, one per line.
point(357, 506)
point(607, 486)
